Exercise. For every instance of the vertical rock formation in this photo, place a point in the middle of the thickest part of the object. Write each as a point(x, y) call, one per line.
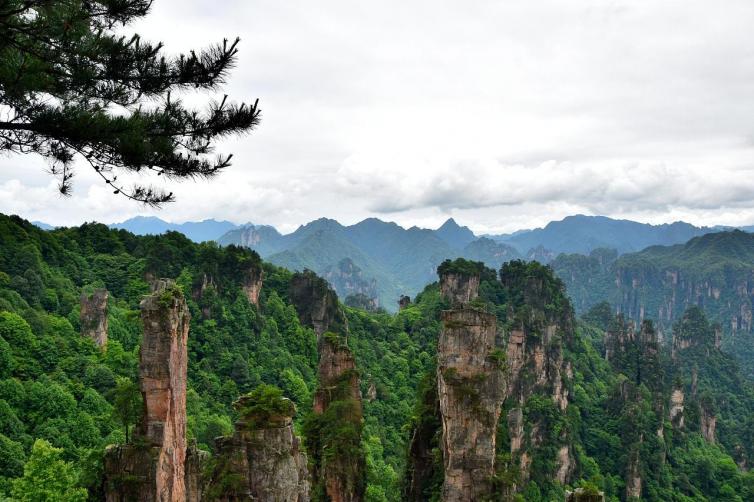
point(339, 463)
point(676, 408)
point(536, 366)
point(316, 304)
point(251, 283)
point(263, 459)
point(153, 468)
point(458, 287)
point(633, 477)
point(404, 302)
point(334, 429)
point(471, 390)
point(707, 419)
point(584, 495)
point(93, 317)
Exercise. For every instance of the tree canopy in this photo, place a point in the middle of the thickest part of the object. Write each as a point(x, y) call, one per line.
point(72, 86)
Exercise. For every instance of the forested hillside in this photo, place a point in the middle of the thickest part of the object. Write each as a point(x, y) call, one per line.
point(713, 271)
point(593, 403)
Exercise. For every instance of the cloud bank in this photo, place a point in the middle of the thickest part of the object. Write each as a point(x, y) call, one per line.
point(502, 114)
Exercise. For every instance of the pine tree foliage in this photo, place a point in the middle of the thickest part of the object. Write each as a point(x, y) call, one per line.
point(72, 85)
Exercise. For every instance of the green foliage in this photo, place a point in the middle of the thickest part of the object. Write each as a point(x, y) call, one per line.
point(65, 64)
point(264, 406)
point(47, 477)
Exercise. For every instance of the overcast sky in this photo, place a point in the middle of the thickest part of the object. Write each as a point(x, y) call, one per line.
point(502, 114)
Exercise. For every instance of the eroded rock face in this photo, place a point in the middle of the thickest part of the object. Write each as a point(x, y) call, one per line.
point(471, 390)
point(459, 288)
point(633, 477)
point(316, 304)
point(93, 317)
point(252, 284)
point(676, 408)
point(708, 422)
point(342, 477)
point(154, 468)
point(404, 302)
point(260, 463)
point(582, 495)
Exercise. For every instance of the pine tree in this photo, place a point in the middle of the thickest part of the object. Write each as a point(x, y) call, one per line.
point(70, 86)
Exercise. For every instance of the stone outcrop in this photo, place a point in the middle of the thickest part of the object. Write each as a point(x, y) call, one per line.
point(251, 283)
point(154, 467)
point(263, 460)
point(342, 476)
point(582, 495)
point(471, 390)
point(403, 302)
point(708, 422)
point(459, 288)
point(676, 408)
point(633, 477)
point(93, 317)
point(348, 281)
point(316, 304)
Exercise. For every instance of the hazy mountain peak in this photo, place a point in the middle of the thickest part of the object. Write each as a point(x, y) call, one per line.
point(455, 235)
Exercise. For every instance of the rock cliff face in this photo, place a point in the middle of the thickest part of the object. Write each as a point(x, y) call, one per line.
point(459, 288)
point(263, 460)
point(154, 468)
point(471, 389)
point(582, 495)
point(676, 408)
point(316, 304)
point(348, 280)
point(403, 302)
point(708, 421)
point(93, 316)
point(536, 367)
point(251, 283)
point(633, 477)
point(338, 399)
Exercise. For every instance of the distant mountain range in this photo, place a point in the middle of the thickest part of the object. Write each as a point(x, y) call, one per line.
point(197, 231)
point(582, 234)
point(384, 260)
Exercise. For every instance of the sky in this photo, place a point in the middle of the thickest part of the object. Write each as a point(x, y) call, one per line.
point(503, 115)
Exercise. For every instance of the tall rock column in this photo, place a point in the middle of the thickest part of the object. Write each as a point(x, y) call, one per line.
point(93, 317)
point(153, 468)
point(252, 283)
point(263, 459)
point(333, 435)
point(471, 390)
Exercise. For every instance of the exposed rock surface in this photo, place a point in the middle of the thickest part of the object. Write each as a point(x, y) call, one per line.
point(251, 283)
point(348, 280)
point(582, 495)
point(459, 288)
point(93, 317)
point(316, 304)
point(153, 468)
point(676, 408)
point(708, 422)
point(403, 302)
point(471, 389)
point(633, 477)
point(261, 461)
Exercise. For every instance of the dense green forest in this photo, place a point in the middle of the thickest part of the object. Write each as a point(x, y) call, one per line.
point(63, 399)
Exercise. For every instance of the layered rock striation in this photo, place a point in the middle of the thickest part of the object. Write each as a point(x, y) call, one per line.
point(93, 316)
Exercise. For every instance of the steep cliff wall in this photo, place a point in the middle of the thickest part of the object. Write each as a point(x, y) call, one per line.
point(471, 389)
point(93, 317)
point(153, 468)
point(263, 459)
point(316, 304)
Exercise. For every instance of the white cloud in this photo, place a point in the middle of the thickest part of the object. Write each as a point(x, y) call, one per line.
point(503, 114)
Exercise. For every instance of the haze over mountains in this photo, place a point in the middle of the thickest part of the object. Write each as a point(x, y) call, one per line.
point(382, 260)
